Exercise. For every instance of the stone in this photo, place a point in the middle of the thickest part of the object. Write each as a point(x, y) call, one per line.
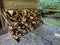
point(35, 37)
point(56, 41)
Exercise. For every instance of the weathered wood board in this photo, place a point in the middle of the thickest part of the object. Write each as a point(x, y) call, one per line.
point(16, 4)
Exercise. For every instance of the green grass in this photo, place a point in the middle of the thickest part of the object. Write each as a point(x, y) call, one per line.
point(52, 21)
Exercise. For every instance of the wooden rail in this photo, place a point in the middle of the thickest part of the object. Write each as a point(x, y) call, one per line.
point(52, 10)
point(49, 4)
point(51, 15)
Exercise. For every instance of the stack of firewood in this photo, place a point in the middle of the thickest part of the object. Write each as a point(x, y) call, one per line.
point(23, 21)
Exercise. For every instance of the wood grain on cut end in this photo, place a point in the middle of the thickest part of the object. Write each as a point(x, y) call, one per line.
point(23, 21)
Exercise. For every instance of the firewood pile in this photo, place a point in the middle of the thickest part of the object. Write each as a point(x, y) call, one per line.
point(23, 21)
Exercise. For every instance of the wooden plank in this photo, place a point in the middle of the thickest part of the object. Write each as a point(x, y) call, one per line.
point(16, 4)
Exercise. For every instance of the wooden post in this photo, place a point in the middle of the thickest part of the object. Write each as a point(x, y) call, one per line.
point(1, 4)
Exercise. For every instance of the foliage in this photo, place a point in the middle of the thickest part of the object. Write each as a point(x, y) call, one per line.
point(52, 21)
point(49, 2)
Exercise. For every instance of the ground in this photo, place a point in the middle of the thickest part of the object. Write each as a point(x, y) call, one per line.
point(43, 35)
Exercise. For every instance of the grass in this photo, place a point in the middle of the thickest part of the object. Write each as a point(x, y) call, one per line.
point(52, 21)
